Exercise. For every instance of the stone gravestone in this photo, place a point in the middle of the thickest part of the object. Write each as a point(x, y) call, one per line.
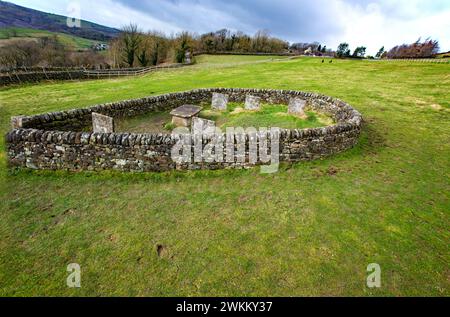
point(102, 123)
point(219, 102)
point(297, 107)
point(187, 57)
point(17, 122)
point(252, 102)
point(202, 126)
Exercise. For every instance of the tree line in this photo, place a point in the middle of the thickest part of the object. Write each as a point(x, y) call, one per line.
point(46, 52)
point(418, 49)
point(426, 49)
point(136, 48)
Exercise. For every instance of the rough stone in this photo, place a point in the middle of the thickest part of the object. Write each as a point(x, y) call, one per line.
point(252, 102)
point(182, 116)
point(203, 126)
point(297, 107)
point(102, 123)
point(16, 122)
point(187, 57)
point(219, 101)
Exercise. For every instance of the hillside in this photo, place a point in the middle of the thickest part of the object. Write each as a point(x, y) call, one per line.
point(11, 35)
point(443, 55)
point(12, 15)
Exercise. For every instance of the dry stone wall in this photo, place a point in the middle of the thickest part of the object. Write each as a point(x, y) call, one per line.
point(57, 140)
point(37, 76)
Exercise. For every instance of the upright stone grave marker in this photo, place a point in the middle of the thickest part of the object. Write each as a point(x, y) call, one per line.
point(252, 102)
point(219, 101)
point(202, 126)
point(297, 107)
point(17, 122)
point(102, 123)
point(187, 57)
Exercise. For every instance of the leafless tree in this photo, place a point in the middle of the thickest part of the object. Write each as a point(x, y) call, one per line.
point(131, 38)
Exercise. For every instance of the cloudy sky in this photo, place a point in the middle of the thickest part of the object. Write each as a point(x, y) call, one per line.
point(372, 23)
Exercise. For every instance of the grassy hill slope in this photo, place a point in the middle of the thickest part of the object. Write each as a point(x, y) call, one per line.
point(8, 35)
point(443, 55)
point(12, 15)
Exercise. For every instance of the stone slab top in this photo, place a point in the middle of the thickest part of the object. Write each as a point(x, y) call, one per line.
point(186, 111)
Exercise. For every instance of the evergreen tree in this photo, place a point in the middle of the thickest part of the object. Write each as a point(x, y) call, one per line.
point(343, 50)
point(380, 52)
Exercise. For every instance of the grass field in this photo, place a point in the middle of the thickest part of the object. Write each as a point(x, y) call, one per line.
point(268, 116)
point(310, 229)
point(235, 116)
point(8, 35)
point(212, 61)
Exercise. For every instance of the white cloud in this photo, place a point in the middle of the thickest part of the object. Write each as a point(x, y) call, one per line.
point(371, 26)
point(371, 23)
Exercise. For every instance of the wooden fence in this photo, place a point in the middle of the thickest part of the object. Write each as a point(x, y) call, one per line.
point(36, 74)
point(129, 71)
point(415, 60)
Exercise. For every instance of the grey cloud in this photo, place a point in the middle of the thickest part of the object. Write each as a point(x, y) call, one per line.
point(292, 20)
point(326, 21)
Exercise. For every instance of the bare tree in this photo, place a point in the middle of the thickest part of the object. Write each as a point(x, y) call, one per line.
point(131, 39)
point(418, 49)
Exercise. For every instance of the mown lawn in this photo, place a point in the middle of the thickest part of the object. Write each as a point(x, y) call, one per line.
point(221, 60)
point(310, 229)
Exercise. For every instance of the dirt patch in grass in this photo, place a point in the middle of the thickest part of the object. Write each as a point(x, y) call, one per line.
point(163, 252)
point(436, 107)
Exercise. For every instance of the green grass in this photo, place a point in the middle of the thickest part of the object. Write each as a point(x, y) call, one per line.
point(310, 229)
point(148, 123)
point(231, 60)
point(74, 42)
point(235, 116)
point(268, 116)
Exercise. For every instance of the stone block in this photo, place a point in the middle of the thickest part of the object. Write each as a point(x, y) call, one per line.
point(297, 107)
point(17, 122)
point(219, 102)
point(181, 122)
point(102, 123)
point(182, 116)
point(202, 126)
point(252, 103)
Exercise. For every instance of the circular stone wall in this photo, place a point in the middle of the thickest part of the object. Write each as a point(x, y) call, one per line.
point(56, 141)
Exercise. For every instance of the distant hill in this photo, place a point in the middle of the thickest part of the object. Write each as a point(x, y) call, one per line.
point(443, 55)
point(12, 15)
point(13, 34)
